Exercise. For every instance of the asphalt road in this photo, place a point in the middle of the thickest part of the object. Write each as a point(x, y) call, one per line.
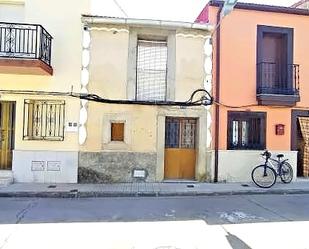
point(246, 221)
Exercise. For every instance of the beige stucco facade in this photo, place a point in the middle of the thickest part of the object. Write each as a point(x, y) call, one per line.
point(112, 71)
point(66, 29)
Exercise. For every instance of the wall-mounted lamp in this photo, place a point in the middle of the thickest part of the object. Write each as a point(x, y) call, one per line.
point(231, 2)
point(227, 7)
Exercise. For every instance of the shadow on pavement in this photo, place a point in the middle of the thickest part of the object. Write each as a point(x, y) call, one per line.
point(235, 242)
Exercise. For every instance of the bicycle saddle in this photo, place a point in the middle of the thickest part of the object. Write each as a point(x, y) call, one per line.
point(280, 155)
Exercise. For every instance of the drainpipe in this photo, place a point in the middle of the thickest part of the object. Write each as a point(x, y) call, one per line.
point(217, 98)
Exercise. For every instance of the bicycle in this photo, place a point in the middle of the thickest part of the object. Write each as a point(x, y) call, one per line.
point(265, 175)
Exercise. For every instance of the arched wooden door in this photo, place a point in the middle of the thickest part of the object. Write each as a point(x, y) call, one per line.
point(180, 151)
point(7, 120)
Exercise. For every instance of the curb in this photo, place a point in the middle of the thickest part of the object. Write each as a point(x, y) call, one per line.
point(91, 194)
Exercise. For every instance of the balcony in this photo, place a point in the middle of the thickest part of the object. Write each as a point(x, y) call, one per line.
point(25, 49)
point(277, 84)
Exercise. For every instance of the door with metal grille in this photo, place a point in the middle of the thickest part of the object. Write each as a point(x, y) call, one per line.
point(180, 151)
point(7, 116)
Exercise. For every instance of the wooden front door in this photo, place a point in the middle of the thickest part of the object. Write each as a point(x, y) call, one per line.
point(180, 153)
point(7, 116)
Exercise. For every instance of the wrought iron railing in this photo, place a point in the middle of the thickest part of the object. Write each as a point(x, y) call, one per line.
point(27, 41)
point(277, 78)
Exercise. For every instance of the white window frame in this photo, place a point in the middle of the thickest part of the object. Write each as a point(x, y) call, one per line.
point(108, 119)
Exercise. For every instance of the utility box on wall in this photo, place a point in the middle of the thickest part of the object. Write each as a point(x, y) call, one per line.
point(280, 129)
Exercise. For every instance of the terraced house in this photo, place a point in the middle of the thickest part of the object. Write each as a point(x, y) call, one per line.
point(261, 82)
point(149, 68)
point(40, 51)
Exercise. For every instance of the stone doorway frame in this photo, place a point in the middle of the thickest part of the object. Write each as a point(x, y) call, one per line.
point(201, 159)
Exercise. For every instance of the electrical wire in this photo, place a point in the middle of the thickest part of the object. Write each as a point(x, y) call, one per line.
point(257, 105)
point(234, 107)
point(120, 8)
point(204, 100)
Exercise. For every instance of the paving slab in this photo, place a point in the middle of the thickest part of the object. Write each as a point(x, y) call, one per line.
point(147, 189)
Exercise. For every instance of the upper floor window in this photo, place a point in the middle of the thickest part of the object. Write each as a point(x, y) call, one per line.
point(275, 69)
point(246, 130)
point(44, 120)
point(151, 70)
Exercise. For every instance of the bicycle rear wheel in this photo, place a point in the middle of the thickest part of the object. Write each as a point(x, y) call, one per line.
point(264, 176)
point(286, 173)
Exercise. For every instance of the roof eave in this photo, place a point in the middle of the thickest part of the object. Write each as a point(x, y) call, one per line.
point(89, 19)
point(265, 8)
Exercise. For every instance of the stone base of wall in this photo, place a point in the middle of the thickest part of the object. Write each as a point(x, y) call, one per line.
point(118, 166)
point(88, 175)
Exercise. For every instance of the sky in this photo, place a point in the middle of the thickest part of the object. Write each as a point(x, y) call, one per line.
point(176, 10)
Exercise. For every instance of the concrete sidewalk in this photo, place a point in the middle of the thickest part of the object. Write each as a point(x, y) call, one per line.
point(147, 189)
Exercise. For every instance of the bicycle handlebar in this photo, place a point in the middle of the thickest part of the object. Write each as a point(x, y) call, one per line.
point(266, 153)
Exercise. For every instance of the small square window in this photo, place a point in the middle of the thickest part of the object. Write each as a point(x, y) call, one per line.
point(117, 132)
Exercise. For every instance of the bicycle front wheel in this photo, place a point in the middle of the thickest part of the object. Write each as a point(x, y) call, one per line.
point(264, 176)
point(286, 173)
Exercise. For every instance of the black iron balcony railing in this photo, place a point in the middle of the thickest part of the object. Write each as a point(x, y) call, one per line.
point(277, 78)
point(26, 41)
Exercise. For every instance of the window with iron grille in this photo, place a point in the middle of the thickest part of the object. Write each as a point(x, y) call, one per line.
point(44, 120)
point(151, 70)
point(180, 133)
point(246, 130)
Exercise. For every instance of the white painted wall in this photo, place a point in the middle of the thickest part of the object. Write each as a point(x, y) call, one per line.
point(45, 167)
point(237, 165)
point(12, 12)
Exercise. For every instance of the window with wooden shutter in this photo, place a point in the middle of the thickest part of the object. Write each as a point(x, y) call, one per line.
point(117, 132)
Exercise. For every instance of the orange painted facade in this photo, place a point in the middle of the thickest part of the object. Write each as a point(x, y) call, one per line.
point(238, 56)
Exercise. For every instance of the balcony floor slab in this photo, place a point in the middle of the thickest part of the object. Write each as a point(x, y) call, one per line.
point(277, 99)
point(24, 66)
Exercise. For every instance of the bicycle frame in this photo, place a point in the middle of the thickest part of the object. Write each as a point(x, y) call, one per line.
point(275, 164)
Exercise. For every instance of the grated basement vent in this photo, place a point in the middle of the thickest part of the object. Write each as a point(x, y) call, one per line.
point(139, 173)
